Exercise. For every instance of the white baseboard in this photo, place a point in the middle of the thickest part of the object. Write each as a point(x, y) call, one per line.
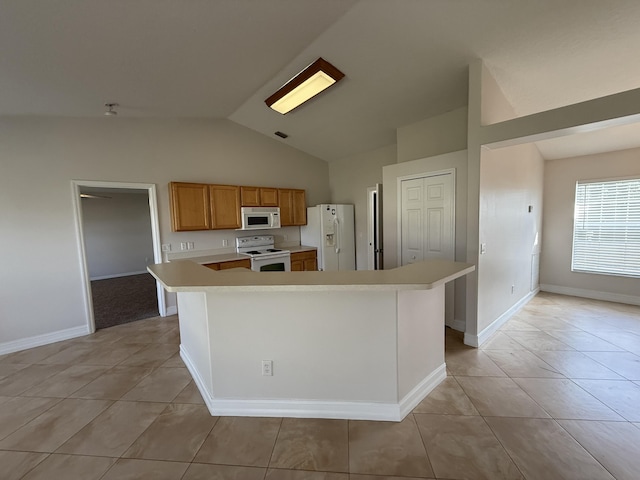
point(394, 412)
point(118, 275)
point(593, 294)
point(459, 325)
point(173, 310)
point(44, 339)
point(424, 388)
point(483, 336)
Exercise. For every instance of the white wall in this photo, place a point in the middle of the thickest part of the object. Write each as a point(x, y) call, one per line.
point(41, 273)
point(560, 179)
point(117, 234)
point(349, 179)
point(433, 136)
point(511, 180)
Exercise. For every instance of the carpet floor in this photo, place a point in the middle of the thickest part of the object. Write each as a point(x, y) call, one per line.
point(124, 299)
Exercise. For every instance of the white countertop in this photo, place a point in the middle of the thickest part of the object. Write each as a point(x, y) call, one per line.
point(188, 276)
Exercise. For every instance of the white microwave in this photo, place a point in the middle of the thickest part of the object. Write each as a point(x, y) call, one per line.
point(260, 218)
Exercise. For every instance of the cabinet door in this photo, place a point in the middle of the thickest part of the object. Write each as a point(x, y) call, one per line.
point(189, 206)
point(250, 196)
point(310, 264)
point(299, 207)
point(235, 264)
point(304, 261)
point(269, 197)
point(285, 202)
point(297, 265)
point(225, 206)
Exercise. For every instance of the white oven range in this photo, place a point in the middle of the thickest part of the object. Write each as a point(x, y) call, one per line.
point(264, 257)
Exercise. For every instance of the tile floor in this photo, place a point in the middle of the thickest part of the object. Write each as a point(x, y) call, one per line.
point(555, 394)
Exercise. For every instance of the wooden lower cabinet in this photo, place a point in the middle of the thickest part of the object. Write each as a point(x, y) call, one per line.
point(230, 264)
point(304, 261)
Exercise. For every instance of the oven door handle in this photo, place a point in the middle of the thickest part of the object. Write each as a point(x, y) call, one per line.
point(337, 234)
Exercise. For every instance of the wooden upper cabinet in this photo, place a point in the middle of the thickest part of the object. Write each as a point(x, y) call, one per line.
point(293, 207)
point(269, 197)
point(189, 206)
point(225, 206)
point(299, 207)
point(258, 197)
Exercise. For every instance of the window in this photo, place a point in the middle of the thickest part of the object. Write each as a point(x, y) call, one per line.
point(606, 230)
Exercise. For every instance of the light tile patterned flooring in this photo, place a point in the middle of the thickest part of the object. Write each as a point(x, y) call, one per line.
point(555, 394)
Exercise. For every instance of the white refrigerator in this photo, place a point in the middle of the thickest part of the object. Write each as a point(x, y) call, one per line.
point(330, 228)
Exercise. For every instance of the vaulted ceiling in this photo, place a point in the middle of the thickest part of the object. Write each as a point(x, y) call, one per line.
point(404, 60)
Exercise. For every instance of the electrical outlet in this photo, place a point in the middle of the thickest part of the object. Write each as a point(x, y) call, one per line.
point(513, 289)
point(483, 248)
point(189, 245)
point(267, 368)
point(225, 242)
point(183, 245)
point(286, 237)
point(166, 247)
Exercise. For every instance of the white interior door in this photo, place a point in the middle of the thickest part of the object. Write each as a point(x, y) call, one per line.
point(427, 218)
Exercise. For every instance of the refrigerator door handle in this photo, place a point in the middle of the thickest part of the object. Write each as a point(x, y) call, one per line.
point(337, 234)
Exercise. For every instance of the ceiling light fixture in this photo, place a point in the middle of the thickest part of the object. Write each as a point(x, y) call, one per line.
point(317, 77)
point(111, 112)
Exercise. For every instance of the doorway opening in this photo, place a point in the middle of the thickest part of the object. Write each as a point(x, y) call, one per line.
point(375, 260)
point(118, 236)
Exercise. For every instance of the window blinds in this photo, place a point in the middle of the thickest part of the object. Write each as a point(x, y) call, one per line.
point(606, 231)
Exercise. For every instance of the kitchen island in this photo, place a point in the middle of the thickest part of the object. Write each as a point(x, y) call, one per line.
point(355, 344)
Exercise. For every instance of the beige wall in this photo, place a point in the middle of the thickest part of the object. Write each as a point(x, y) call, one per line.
point(511, 180)
point(559, 191)
point(349, 179)
point(433, 136)
point(41, 273)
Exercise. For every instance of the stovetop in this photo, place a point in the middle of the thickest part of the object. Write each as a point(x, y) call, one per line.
point(258, 245)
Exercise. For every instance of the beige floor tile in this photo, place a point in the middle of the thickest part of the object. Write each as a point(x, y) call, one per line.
point(545, 322)
point(174, 361)
point(538, 341)
point(70, 467)
point(621, 338)
point(447, 398)
point(275, 474)
point(55, 426)
point(7, 369)
point(13, 465)
point(501, 341)
point(176, 434)
point(71, 355)
point(472, 363)
point(387, 448)
point(189, 394)
point(246, 441)
point(464, 447)
point(172, 337)
point(111, 354)
point(152, 355)
point(35, 355)
point(312, 444)
point(500, 397)
point(26, 378)
point(355, 476)
point(199, 471)
point(522, 363)
point(577, 365)
point(624, 363)
point(129, 469)
point(613, 444)
point(620, 395)
point(161, 385)
point(543, 450)
point(583, 341)
point(114, 430)
point(18, 411)
point(562, 398)
point(66, 382)
point(113, 384)
point(516, 325)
